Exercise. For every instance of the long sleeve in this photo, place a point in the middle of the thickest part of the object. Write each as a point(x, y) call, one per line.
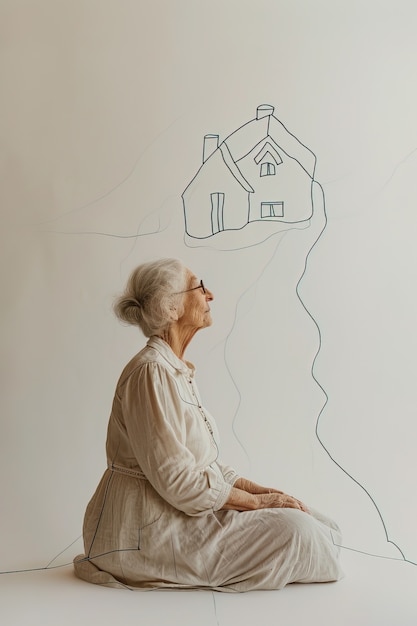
point(229, 473)
point(170, 440)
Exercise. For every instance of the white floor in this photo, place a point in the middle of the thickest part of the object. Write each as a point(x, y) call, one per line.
point(374, 592)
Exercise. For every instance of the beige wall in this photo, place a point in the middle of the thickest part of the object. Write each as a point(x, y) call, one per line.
point(104, 105)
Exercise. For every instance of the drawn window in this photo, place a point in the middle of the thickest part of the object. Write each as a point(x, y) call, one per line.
point(272, 209)
point(217, 206)
point(267, 169)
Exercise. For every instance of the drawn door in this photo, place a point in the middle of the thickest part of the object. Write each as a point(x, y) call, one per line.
point(217, 207)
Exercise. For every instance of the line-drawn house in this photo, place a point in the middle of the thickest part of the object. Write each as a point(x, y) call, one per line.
point(261, 172)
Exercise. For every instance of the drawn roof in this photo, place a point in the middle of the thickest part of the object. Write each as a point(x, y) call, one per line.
point(231, 164)
point(265, 128)
point(242, 141)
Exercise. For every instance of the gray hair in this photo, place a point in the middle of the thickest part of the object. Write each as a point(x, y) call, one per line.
point(152, 298)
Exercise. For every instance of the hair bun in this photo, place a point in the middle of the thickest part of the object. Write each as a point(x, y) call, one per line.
point(152, 290)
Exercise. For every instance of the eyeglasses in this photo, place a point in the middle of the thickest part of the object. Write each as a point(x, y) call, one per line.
point(199, 286)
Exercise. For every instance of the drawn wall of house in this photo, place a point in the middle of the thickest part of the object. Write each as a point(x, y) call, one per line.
point(282, 189)
point(249, 177)
point(224, 206)
point(309, 367)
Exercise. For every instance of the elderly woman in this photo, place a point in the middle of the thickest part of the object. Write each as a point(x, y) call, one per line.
point(167, 511)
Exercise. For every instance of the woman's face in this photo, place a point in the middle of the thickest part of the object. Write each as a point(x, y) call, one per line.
point(196, 304)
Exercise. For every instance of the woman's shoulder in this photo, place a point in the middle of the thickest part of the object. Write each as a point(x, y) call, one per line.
point(153, 358)
point(146, 359)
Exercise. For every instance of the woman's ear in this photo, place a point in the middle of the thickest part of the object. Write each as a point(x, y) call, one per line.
point(173, 314)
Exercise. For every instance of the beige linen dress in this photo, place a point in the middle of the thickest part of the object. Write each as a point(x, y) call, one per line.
point(155, 519)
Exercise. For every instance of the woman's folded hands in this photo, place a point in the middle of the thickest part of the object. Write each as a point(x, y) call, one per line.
point(249, 496)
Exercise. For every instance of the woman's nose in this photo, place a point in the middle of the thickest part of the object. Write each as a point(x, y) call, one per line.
point(209, 295)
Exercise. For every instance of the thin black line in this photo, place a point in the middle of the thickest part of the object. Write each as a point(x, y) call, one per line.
point(101, 512)
point(326, 395)
point(108, 193)
point(93, 232)
point(62, 552)
point(376, 556)
point(215, 608)
point(404, 160)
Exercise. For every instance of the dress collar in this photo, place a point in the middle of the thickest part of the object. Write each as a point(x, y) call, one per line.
point(165, 350)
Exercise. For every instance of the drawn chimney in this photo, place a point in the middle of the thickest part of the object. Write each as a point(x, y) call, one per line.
point(211, 143)
point(264, 110)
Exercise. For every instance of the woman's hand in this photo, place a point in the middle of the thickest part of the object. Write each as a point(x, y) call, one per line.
point(251, 487)
point(249, 496)
point(278, 500)
point(242, 500)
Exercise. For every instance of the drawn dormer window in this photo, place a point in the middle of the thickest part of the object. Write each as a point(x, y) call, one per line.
point(268, 158)
point(267, 169)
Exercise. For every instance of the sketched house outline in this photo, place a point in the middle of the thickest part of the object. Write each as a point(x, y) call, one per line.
point(260, 172)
